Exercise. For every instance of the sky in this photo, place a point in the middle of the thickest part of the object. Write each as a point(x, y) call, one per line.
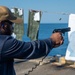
point(54, 9)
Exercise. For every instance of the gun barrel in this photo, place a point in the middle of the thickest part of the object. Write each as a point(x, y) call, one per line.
point(62, 30)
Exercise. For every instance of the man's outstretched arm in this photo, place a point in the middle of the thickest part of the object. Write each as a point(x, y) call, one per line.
point(27, 50)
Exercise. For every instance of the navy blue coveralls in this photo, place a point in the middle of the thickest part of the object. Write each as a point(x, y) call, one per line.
point(11, 48)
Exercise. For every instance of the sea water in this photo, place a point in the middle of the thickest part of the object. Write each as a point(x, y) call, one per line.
point(45, 31)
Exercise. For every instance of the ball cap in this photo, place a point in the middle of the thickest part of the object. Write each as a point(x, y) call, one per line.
point(6, 14)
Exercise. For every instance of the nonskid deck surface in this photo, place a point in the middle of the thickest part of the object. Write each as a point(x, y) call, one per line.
point(46, 67)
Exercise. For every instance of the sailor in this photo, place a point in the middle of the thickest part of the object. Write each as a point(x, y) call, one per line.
point(11, 48)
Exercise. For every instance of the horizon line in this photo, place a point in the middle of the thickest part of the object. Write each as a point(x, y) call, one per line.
point(48, 22)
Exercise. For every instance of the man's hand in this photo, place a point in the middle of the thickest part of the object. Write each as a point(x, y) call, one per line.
point(57, 39)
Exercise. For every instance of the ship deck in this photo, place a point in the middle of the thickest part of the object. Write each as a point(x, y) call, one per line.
point(45, 68)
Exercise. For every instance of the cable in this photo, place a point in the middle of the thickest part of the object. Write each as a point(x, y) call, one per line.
point(62, 13)
point(32, 69)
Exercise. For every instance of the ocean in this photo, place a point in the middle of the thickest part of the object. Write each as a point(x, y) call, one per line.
point(45, 31)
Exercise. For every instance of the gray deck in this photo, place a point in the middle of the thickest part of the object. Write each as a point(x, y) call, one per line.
point(45, 68)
